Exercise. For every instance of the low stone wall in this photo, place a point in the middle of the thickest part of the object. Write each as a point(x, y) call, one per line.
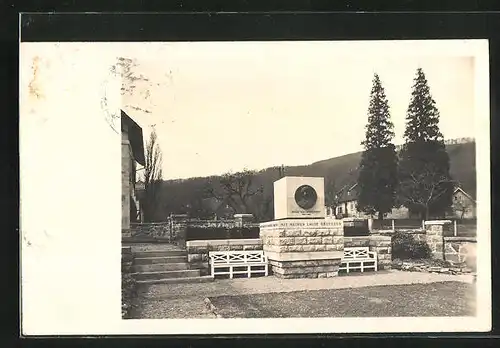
point(461, 250)
point(174, 229)
point(381, 244)
point(453, 249)
point(228, 223)
point(354, 242)
point(151, 230)
point(198, 250)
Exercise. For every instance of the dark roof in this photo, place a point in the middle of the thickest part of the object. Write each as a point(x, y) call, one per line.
point(135, 138)
point(348, 193)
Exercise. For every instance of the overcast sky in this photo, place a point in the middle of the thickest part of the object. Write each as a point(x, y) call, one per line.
point(218, 107)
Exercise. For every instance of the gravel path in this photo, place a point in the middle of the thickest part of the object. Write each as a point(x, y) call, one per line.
point(259, 285)
point(186, 300)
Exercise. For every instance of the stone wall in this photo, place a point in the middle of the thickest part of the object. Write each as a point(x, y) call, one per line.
point(198, 250)
point(381, 244)
point(454, 249)
point(151, 229)
point(175, 227)
point(434, 234)
point(353, 242)
point(461, 249)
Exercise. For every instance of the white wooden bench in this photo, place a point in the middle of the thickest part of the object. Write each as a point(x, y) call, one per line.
point(358, 258)
point(238, 262)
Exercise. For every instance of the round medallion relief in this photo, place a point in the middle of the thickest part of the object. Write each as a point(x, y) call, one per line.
point(305, 197)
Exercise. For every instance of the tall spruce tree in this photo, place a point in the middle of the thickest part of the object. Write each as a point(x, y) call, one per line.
point(377, 181)
point(426, 186)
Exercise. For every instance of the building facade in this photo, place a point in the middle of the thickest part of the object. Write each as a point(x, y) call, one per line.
point(463, 207)
point(132, 154)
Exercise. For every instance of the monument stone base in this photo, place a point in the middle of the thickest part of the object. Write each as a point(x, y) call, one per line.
point(303, 248)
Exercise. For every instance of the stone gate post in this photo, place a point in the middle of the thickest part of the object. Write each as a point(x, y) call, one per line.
point(434, 235)
point(179, 229)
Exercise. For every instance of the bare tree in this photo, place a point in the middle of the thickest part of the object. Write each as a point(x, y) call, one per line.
point(420, 191)
point(236, 190)
point(152, 176)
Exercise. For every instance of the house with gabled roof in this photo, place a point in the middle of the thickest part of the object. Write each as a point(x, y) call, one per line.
point(348, 201)
point(463, 206)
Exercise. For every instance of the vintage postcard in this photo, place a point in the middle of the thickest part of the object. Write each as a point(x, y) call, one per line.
point(266, 187)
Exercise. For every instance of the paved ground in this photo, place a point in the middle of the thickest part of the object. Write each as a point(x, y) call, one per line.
point(186, 300)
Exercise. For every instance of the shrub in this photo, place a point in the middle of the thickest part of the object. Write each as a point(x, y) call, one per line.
point(129, 293)
point(405, 247)
point(356, 231)
point(356, 228)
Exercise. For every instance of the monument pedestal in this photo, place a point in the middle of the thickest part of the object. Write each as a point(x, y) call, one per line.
point(303, 248)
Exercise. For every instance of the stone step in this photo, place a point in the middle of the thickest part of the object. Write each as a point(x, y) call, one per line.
point(158, 267)
point(203, 279)
point(166, 274)
point(159, 253)
point(163, 259)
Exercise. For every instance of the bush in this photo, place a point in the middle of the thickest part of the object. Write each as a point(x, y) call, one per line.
point(405, 247)
point(129, 293)
point(356, 231)
point(356, 228)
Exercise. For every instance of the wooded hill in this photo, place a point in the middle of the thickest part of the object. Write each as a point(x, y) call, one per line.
point(189, 195)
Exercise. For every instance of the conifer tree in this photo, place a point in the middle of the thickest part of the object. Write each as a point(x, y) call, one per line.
point(426, 186)
point(377, 181)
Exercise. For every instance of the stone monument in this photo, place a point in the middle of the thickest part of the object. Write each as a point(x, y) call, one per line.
point(300, 242)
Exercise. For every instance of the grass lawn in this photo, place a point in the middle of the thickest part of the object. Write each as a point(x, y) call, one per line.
point(416, 300)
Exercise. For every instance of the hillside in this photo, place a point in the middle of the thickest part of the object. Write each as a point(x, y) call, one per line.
point(179, 195)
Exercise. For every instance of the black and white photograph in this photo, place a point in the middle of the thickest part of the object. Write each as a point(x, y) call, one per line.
point(304, 180)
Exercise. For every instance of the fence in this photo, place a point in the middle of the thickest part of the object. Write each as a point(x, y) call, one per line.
point(394, 224)
point(458, 228)
point(462, 228)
